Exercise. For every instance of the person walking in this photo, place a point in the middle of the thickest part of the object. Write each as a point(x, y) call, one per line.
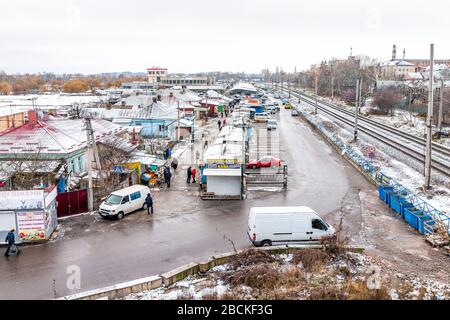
point(194, 172)
point(11, 241)
point(189, 174)
point(174, 164)
point(149, 203)
point(167, 176)
point(219, 124)
point(224, 122)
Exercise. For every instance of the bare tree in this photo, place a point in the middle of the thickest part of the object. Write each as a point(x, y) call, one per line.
point(388, 100)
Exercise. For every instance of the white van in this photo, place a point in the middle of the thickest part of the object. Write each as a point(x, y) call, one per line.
point(283, 225)
point(124, 201)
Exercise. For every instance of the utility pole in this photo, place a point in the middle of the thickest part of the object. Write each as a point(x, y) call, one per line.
point(90, 191)
point(289, 86)
point(355, 132)
point(178, 121)
point(429, 121)
point(332, 86)
point(441, 106)
point(317, 87)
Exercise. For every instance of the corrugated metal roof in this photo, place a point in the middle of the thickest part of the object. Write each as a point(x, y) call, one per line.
point(60, 136)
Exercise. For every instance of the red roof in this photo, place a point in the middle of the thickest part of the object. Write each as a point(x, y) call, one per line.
point(156, 68)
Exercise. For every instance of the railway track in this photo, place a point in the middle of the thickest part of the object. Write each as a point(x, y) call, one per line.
point(408, 144)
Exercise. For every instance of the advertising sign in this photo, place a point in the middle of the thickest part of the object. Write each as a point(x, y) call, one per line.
point(50, 197)
point(25, 199)
point(31, 225)
point(222, 164)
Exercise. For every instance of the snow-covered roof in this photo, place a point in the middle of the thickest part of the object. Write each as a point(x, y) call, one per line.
point(244, 86)
point(215, 95)
point(156, 110)
point(25, 102)
point(60, 136)
point(140, 100)
point(398, 63)
point(414, 76)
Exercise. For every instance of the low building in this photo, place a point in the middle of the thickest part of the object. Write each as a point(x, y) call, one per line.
point(161, 77)
point(11, 118)
point(243, 88)
point(52, 142)
point(138, 85)
point(223, 165)
point(396, 69)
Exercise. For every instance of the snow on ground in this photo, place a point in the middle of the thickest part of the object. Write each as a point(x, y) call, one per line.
point(401, 119)
point(302, 275)
point(404, 173)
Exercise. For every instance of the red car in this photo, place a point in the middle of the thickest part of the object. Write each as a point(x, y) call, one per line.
point(264, 162)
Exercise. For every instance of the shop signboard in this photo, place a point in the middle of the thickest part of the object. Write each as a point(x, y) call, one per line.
point(22, 200)
point(222, 164)
point(31, 225)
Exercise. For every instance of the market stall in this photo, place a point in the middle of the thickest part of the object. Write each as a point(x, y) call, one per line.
point(32, 213)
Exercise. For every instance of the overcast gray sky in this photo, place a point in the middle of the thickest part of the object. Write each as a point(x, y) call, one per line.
point(208, 35)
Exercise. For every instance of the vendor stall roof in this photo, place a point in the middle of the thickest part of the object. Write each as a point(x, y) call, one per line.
point(147, 159)
point(222, 172)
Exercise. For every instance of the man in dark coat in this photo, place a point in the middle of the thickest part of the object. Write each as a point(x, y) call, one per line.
point(174, 163)
point(167, 176)
point(10, 241)
point(189, 174)
point(149, 203)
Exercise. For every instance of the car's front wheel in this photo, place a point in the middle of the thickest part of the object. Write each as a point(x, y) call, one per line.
point(120, 215)
point(266, 243)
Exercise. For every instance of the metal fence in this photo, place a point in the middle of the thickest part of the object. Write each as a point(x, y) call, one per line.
point(366, 165)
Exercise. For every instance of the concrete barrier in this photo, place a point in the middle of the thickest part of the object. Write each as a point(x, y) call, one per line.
point(119, 290)
point(179, 273)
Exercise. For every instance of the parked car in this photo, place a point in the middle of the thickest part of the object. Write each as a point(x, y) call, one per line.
point(124, 201)
point(284, 225)
point(271, 124)
point(264, 162)
point(294, 113)
point(262, 117)
point(288, 106)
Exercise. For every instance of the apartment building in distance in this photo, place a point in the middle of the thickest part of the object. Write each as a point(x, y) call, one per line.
point(161, 77)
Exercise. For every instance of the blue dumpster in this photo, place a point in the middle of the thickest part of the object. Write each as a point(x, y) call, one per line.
point(403, 206)
point(428, 220)
point(383, 193)
point(389, 194)
point(396, 202)
point(409, 214)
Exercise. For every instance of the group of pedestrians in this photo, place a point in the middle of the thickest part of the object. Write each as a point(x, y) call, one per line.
point(191, 174)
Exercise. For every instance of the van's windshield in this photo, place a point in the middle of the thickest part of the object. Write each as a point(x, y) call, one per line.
point(113, 199)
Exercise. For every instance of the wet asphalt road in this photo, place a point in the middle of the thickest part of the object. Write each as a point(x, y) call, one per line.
point(318, 178)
